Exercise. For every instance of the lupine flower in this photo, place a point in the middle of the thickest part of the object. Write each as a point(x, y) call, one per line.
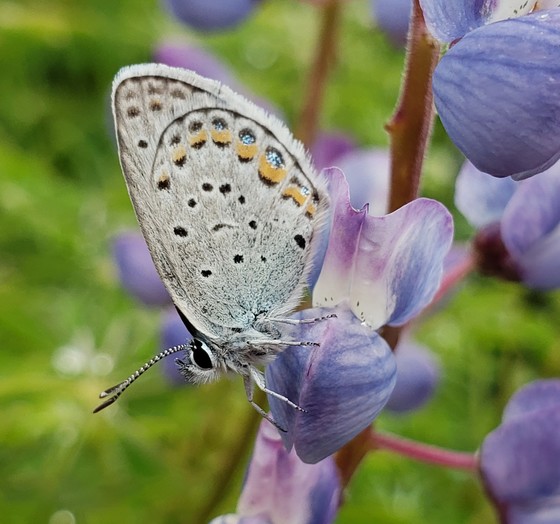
point(329, 147)
point(418, 375)
point(519, 460)
point(281, 489)
point(392, 17)
point(497, 90)
point(377, 271)
point(366, 170)
point(212, 16)
point(518, 223)
point(136, 270)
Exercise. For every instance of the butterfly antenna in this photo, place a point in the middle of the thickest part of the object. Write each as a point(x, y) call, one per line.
point(117, 391)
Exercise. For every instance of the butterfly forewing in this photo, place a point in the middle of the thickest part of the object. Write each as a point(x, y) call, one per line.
point(227, 200)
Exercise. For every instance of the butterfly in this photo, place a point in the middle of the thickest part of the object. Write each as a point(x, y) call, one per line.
point(232, 212)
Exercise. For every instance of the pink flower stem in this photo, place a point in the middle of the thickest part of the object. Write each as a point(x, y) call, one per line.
point(424, 452)
point(453, 277)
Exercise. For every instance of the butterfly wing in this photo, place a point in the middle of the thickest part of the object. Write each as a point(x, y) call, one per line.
point(227, 200)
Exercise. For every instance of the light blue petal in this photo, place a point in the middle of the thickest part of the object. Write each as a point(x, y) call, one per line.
point(282, 489)
point(418, 375)
point(482, 198)
point(367, 172)
point(448, 20)
point(497, 93)
point(538, 395)
point(412, 244)
point(531, 229)
point(342, 385)
point(519, 465)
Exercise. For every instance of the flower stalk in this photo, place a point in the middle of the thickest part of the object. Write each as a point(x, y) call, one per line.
point(308, 121)
point(411, 124)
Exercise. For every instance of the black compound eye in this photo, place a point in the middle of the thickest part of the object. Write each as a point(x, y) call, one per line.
point(200, 355)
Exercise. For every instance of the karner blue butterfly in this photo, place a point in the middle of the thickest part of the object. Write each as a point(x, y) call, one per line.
point(232, 211)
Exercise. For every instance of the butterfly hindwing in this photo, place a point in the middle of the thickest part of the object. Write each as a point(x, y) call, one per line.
point(227, 200)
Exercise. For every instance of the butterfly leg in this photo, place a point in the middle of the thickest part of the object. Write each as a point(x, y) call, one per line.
point(258, 379)
point(249, 389)
point(273, 342)
point(297, 322)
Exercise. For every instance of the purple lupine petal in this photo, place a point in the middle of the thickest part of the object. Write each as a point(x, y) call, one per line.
point(136, 270)
point(194, 58)
point(334, 282)
point(342, 385)
point(283, 489)
point(367, 172)
point(329, 147)
point(388, 268)
point(173, 333)
point(497, 92)
point(418, 374)
point(519, 465)
point(482, 198)
point(531, 229)
point(392, 17)
point(212, 16)
point(449, 20)
point(540, 394)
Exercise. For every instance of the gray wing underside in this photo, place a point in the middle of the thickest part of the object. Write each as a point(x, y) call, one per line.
point(227, 200)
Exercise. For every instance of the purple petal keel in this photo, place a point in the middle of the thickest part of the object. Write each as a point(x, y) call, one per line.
point(342, 385)
point(497, 92)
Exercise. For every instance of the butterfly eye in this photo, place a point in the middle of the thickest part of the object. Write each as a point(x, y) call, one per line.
point(201, 355)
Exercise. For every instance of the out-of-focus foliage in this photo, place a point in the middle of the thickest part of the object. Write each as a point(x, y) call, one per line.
point(69, 331)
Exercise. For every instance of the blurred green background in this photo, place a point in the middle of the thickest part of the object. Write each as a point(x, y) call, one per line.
point(68, 330)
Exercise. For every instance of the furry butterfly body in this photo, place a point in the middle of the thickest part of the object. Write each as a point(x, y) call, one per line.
point(231, 210)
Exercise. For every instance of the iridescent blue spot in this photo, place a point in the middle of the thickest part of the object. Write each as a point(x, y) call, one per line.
point(305, 190)
point(247, 137)
point(219, 124)
point(274, 158)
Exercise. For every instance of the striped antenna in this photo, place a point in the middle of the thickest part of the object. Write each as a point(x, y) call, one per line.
point(117, 391)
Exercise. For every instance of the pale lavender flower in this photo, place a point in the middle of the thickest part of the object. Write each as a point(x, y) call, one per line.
point(519, 460)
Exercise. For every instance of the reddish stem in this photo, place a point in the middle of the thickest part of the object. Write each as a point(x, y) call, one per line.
point(454, 276)
point(409, 129)
point(411, 124)
point(324, 58)
point(424, 452)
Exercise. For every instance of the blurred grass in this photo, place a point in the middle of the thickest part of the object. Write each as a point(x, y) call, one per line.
point(68, 330)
